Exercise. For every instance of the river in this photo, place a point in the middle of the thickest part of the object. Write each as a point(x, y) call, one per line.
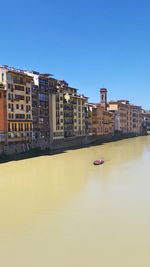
point(61, 211)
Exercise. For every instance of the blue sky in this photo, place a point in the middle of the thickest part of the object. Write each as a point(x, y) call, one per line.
point(90, 44)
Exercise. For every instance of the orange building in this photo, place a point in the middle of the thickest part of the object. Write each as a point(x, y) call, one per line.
point(100, 120)
point(3, 114)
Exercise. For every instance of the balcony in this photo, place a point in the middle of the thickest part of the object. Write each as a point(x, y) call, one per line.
point(19, 81)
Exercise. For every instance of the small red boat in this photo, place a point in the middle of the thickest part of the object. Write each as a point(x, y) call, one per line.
point(98, 162)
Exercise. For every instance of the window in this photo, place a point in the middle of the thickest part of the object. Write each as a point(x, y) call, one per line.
point(27, 116)
point(9, 127)
point(43, 97)
point(2, 77)
point(10, 96)
point(21, 80)
point(44, 82)
point(9, 77)
point(19, 87)
point(22, 107)
point(18, 80)
point(10, 86)
point(11, 106)
point(19, 97)
point(28, 108)
point(20, 116)
point(26, 127)
point(27, 99)
point(17, 106)
point(27, 90)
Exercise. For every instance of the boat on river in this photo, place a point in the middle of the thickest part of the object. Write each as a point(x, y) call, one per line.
point(98, 162)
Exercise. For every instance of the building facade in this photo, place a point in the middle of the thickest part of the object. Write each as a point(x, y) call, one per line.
point(43, 87)
point(70, 112)
point(3, 114)
point(18, 86)
point(100, 119)
point(126, 116)
point(146, 119)
point(35, 106)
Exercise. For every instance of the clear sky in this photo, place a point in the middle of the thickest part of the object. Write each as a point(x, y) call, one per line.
point(90, 44)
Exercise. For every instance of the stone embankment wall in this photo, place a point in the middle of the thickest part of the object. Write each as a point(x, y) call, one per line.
point(57, 145)
point(23, 147)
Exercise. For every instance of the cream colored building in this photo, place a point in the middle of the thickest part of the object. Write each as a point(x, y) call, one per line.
point(126, 116)
point(68, 112)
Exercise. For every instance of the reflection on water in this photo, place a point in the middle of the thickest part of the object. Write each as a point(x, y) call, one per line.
point(62, 211)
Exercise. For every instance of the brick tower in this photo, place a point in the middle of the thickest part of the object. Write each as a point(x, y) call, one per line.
point(103, 97)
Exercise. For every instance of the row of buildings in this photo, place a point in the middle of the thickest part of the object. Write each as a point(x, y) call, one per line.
point(36, 106)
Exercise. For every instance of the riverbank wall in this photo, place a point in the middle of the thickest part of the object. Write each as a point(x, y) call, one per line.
point(44, 147)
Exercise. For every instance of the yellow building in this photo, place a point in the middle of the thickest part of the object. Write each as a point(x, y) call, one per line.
point(19, 104)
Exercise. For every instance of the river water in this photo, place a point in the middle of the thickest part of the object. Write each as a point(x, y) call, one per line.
point(61, 211)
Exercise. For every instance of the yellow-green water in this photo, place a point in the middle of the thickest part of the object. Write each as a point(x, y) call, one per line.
point(61, 211)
